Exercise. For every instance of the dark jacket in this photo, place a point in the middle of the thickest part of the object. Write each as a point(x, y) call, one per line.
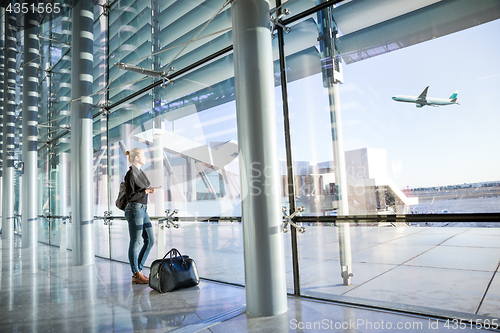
point(136, 183)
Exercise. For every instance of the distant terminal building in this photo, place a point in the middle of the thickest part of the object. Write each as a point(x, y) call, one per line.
point(370, 190)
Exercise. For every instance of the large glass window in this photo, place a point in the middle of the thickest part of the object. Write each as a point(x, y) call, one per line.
point(53, 129)
point(400, 158)
point(435, 159)
point(422, 158)
point(130, 41)
point(375, 131)
point(188, 32)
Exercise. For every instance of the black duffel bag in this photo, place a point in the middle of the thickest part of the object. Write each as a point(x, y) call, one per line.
point(172, 273)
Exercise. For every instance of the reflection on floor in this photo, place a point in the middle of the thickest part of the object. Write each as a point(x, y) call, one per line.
point(41, 291)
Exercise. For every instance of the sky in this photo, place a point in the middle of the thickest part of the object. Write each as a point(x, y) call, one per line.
point(429, 146)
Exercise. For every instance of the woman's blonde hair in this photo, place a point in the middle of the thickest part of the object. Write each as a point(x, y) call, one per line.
point(133, 153)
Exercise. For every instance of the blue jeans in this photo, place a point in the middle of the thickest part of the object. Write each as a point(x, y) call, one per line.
point(139, 225)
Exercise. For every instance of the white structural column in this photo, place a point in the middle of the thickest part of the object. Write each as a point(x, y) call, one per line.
point(29, 223)
point(265, 277)
point(2, 84)
point(81, 133)
point(9, 127)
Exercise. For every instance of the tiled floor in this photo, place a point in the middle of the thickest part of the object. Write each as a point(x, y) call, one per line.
point(55, 296)
point(434, 267)
point(437, 268)
point(382, 256)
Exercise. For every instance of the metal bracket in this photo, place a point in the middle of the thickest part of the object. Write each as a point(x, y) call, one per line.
point(19, 165)
point(168, 220)
point(106, 7)
point(165, 78)
point(104, 108)
point(287, 220)
point(276, 21)
point(148, 72)
point(107, 218)
point(346, 274)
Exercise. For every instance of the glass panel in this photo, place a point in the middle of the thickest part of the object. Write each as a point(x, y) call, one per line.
point(375, 163)
point(56, 229)
point(130, 41)
point(100, 61)
point(298, 6)
point(189, 31)
point(18, 175)
point(125, 128)
point(16, 151)
point(399, 158)
point(409, 158)
point(100, 175)
point(217, 248)
point(190, 141)
point(60, 191)
point(43, 195)
point(309, 108)
point(54, 121)
point(196, 132)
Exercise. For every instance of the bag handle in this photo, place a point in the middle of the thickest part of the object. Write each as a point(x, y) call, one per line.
point(175, 253)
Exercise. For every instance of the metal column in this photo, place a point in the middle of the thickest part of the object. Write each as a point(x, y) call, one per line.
point(341, 182)
point(289, 157)
point(265, 277)
point(2, 85)
point(18, 176)
point(81, 133)
point(29, 223)
point(9, 127)
point(332, 77)
point(62, 182)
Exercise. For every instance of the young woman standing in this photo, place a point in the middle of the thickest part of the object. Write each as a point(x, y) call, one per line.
point(139, 225)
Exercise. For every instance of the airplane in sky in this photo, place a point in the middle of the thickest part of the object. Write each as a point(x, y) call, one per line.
point(422, 99)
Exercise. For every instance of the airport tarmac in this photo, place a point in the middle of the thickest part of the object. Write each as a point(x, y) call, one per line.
point(458, 206)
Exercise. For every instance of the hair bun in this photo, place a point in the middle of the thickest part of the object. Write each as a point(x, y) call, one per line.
point(127, 153)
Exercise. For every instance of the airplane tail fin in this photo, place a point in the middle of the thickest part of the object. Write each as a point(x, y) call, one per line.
point(454, 96)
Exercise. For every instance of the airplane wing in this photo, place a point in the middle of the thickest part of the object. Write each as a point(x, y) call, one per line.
point(423, 95)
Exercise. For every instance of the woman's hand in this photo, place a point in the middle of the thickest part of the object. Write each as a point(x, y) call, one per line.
point(151, 190)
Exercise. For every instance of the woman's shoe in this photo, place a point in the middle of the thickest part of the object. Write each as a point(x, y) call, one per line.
point(139, 278)
point(144, 277)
